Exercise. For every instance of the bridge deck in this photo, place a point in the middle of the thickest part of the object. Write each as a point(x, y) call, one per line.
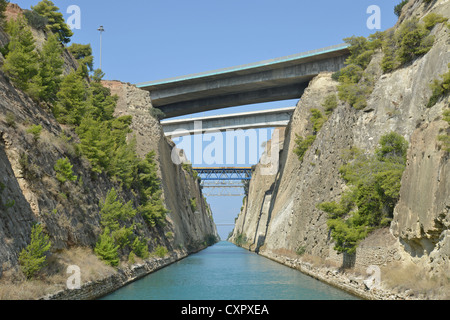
point(273, 118)
point(278, 79)
point(291, 59)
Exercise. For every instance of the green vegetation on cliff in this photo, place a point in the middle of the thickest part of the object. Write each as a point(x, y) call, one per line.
point(398, 8)
point(56, 22)
point(355, 84)
point(317, 120)
point(117, 221)
point(63, 169)
point(79, 101)
point(33, 258)
point(3, 5)
point(374, 187)
point(445, 138)
point(411, 40)
point(439, 88)
point(21, 62)
point(83, 53)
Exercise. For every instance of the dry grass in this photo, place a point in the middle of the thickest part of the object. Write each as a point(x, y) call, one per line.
point(412, 278)
point(14, 286)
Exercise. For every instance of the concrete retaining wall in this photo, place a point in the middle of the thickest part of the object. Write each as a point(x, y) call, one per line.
point(100, 288)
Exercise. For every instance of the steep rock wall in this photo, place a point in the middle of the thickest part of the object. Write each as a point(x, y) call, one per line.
point(178, 186)
point(398, 103)
point(69, 212)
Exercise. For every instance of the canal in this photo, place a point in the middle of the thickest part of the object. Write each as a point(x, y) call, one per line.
point(227, 272)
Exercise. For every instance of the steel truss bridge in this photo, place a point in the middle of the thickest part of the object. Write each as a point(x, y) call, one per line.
point(228, 182)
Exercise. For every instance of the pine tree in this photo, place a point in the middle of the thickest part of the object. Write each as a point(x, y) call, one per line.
point(107, 250)
point(33, 257)
point(113, 211)
point(21, 63)
point(71, 105)
point(3, 5)
point(101, 103)
point(83, 53)
point(96, 143)
point(47, 82)
point(63, 169)
point(56, 22)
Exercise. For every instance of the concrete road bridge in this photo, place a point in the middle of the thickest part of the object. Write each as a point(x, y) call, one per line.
point(278, 79)
point(274, 118)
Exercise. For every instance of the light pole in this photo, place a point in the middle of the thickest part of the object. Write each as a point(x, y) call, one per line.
point(101, 29)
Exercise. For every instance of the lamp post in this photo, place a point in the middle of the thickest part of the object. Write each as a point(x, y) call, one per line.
point(101, 29)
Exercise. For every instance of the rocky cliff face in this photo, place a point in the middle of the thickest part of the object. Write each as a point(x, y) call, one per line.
point(178, 186)
point(285, 204)
point(69, 212)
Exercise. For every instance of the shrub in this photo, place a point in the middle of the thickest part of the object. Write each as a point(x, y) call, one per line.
point(300, 251)
point(161, 251)
point(439, 88)
point(317, 119)
point(10, 203)
point(11, 120)
point(36, 131)
point(33, 258)
point(415, 41)
point(330, 104)
point(63, 169)
point(302, 145)
point(374, 183)
point(446, 115)
point(393, 147)
point(410, 41)
point(355, 94)
point(431, 19)
point(152, 206)
point(361, 51)
point(241, 239)
point(355, 85)
point(445, 138)
point(193, 203)
point(35, 20)
point(188, 168)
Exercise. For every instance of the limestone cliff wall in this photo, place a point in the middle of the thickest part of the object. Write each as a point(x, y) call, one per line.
point(178, 186)
point(287, 201)
point(69, 212)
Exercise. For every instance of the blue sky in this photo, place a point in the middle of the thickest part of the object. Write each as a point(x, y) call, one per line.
point(148, 40)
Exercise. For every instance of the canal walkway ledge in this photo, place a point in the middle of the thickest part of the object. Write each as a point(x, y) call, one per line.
point(338, 279)
point(96, 289)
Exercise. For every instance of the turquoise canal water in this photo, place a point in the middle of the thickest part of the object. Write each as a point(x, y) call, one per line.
point(227, 272)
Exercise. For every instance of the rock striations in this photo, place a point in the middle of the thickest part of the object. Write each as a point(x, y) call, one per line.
point(280, 218)
point(69, 212)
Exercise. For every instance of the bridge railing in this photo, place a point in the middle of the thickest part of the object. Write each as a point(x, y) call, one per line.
point(246, 66)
